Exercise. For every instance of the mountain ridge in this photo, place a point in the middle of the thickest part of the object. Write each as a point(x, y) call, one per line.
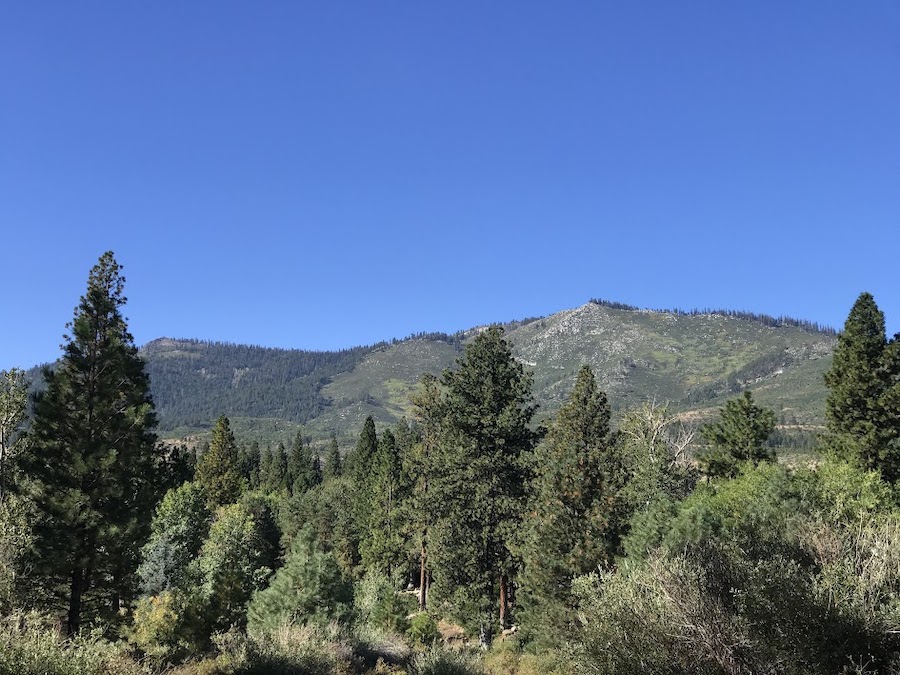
point(693, 360)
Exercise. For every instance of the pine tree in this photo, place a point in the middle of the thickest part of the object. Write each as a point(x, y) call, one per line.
point(219, 472)
point(481, 484)
point(302, 467)
point(861, 409)
point(571, 527)
point(421, 465)
point(359, 460)
point(92, 461)
point(278, 470)
point(309, 588)
point(333, 467)
point(382, 548)
point(739, 436)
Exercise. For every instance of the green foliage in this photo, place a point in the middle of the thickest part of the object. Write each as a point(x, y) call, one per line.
point(333, 466)
point(572, 525)
point(158, 627)
point(218, 471)
point(179, 526)
point(480, 485)
point(310, 588)
point(193, 381)
point(92, 463)
point(423, 631)
point(439, 661)
point(383, 546)
point(654, 444)
point(863, 405)
point(29, 645)
point(276, 478)
point(16, 537)
point(739, 436)
point(769, 568)
point(328, 511)
point(13, 401)
point(303, 469)
point(249, 459)
point(379, 604)
point(231, 566)
point(359, 460)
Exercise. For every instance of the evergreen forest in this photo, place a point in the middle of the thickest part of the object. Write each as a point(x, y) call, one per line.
point(477, 530)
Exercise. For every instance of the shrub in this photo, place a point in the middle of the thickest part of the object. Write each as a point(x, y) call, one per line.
point(30, 645)
point(439, 661)
point(379, 605)
point(423, 631)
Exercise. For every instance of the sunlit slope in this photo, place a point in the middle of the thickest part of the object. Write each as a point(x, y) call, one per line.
point(692, 361)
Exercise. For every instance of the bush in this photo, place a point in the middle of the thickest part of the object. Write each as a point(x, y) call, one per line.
point(158, 629)
point(423, 631)
point(379, 605)
point(30, 645)
point(439, 661)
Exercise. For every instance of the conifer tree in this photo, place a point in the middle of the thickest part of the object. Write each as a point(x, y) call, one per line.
point(571, 527)
point(303, 471)
point(333, 467)
point(359, 460)
point(861, 409)
point(738, 436)
point(92, 461)
point(249, 459)
point(309, 588)
point(179, 526)
point(218, 472)
point(278, 470)
point(421, 464)
point(382, 547)
point(481, 483)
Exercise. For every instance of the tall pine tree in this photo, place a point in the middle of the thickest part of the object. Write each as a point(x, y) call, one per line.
point(382, 546)
point(571, 527)
point(92, 461)
point(861, 409)
point(481, 484)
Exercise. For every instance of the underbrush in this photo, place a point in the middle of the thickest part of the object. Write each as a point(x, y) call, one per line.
point(32, 645)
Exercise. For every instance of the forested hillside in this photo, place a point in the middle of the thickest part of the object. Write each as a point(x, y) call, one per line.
point(691, 360)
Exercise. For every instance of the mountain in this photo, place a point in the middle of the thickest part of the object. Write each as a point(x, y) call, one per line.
point(694, 361)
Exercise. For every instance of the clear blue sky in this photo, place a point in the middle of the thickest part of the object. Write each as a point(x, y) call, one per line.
point(324, 174)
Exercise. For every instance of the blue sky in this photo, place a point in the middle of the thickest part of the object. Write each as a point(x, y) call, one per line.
point(320, 175)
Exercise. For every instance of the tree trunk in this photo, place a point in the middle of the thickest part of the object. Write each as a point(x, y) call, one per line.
point(75, 592)
point(485, 636)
